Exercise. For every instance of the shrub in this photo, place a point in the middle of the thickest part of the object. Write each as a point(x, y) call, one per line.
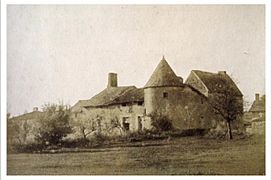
point(53, 125)
point(161, 123)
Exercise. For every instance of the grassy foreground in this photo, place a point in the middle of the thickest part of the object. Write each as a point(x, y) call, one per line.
point(178, 156)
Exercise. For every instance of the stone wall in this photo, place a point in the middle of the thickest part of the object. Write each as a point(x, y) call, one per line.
point(112, 120)
point(186, 108)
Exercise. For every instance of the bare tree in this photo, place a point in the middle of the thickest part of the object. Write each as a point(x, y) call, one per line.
point(85, 124)
point(229, 105)
point(115, 123)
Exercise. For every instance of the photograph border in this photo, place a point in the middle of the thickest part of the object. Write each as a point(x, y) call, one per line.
point(3, 166)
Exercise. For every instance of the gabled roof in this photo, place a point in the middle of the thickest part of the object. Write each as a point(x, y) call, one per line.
point(163, 75)
point(258, 106)
point(216, 82)
point(114, 95)
point(27, 116)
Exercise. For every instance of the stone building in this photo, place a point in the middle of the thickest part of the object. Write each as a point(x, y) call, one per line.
point(21, 129)
point(221, 91)
point(255, 117)
point(121, 109)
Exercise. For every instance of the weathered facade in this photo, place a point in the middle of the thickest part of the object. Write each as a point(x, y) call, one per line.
point(21, 129)
point(255, 118)
point(117, 110)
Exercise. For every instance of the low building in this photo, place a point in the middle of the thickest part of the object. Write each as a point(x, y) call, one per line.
point(255, 118)
point(21, 129)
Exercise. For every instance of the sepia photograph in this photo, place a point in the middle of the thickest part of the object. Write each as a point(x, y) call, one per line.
point(134, 89)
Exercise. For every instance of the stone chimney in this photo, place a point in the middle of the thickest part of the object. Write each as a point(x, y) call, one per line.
point(112, 80)
point(257, 97)
point(222, 72)
point(180, 79)
point(35, 109)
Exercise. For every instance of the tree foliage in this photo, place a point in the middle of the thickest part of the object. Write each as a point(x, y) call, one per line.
point(53, 124)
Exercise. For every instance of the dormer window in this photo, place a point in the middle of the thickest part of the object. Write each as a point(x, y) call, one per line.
point(165, 95)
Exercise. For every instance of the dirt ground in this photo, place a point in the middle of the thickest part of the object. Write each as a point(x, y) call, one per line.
point(178, 156)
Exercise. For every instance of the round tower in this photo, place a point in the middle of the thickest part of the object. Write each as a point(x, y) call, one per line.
point(159, 90)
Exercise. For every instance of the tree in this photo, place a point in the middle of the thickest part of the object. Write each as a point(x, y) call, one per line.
point(53, 124)
point(85, 124)
point(115, 123)
point(229, 105)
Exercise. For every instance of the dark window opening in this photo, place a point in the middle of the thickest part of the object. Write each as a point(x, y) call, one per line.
point(123, 104)
point(165, 95)
point(140, 103)
point(139, 123)
point(126, 124)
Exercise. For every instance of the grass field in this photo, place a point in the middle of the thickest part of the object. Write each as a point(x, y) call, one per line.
point(179, 156)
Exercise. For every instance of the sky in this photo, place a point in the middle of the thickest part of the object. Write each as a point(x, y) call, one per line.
point(64, 53)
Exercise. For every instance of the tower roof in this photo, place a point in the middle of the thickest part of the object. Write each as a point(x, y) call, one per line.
point(163, 75)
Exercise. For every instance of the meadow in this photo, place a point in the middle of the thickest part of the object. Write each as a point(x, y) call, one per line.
point(176, 156)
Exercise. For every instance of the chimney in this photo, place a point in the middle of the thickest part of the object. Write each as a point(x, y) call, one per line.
point(180, 79)
point(112, 80)
point(35, 109)
point(257, 97)
point(222, 72)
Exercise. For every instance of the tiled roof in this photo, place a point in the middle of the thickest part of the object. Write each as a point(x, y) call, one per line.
point(114, 95)
point(218, 83)
point(163, 75)
point(258, 106)
point(27, 116)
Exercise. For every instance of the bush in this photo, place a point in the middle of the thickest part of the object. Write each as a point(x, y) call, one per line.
point(53, 125)
point(25, 148)
point(161, 123)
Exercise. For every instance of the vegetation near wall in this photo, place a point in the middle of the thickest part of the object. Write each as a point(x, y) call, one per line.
point(48, 129)
point(53, 125)
point(161, 123)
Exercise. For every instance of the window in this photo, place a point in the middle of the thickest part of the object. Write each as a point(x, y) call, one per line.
point(123, 104)
point(139, 123)
point(165, 95)
point(125, 123)
point(140, 103)
point(75, 115)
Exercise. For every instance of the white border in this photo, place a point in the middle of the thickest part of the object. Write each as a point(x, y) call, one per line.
point(3, 167)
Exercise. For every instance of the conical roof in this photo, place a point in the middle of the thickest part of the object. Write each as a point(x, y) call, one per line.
point(163, 75)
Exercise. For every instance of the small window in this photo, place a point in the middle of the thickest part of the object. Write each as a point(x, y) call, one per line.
point(139, 123)
point(123, 104)
point(140, 103)
point(165, 95)
point(125, 123)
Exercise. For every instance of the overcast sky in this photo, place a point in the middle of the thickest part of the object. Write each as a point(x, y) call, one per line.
point(64, 53)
